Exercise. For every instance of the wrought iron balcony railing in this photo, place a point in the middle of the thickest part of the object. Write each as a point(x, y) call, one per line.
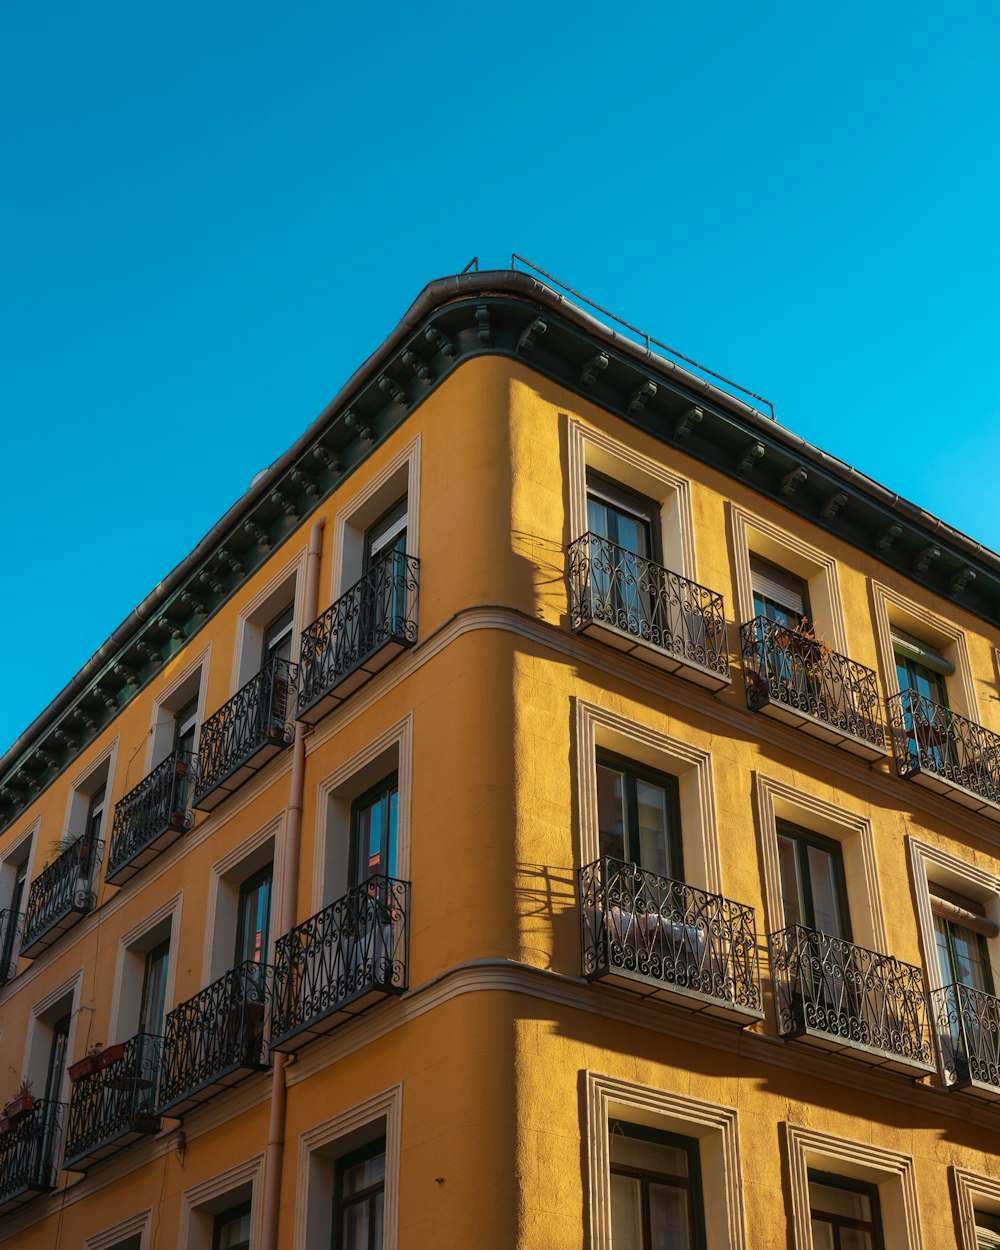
point(11, 933)
point(842, 997)
point(239, 739)
point(800, 680)
point(649, 933)
point(637, 605)
point(152, 816)
point(340, 961)
point(61, 894)
point(216, 1039)
point(27, 1154)
point(967, 1022)
point(946, 752)
point(357, 636)
point(114, 1106)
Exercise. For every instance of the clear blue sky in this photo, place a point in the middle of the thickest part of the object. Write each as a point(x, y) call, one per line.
point(213, 212)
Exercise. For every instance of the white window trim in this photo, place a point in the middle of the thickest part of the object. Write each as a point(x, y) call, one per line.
point(822, 578)
point(409, 457)
point(30, 835)
point(591, 447)
point(170, 910)
point(968, 1187)
point(690, 764)
point(111, 1238)
point(294, 570)
point(609, 1098)
point(387, 1106)
point(399, 735)
point(71, 988)
point(891, 1171)
point(199, 1196)
point(776, 800)
point(228, 864)
point(961, 687)
point(200, 661)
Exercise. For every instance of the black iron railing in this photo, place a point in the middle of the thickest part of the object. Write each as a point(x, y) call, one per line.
point(792, 668)
point(111, 1107)
point(145, 819)
point(611, 586)
point(27, 1153)
point(667, 933)
point(930, 738)
point(355, 947)
point(11, 932)
point(216, 1036)
point(827, 985)
point(967, 1022)
point(378, 615)
point(61, 893)
point(259, 716)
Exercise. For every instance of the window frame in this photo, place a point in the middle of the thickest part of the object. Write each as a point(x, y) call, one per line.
point(635, 771)
point(388, 785)
point(370, 1150)
point(768, 568)
point(253, 882)
point(801, 836)
point(640, 507)
point(691, 1184)
point(835, 1180)
point(221, 1218)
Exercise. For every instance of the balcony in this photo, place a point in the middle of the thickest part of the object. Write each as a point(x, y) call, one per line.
point(666, 940)
point(152, 817)
point(216, 1039)
point(27, 1155)
point(943, 751)
point(847, 1000)
point(340, 962)
point(795, 678)
point(245, 733)
point(644, 609)
point(61, 895)
point(358, 635)
point(967, 1022)
point(115, 1106)
point(11, 933)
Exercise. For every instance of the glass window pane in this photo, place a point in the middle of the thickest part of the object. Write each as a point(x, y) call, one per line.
point(837, 1201)
point(825, 892)
point(354, 1227)
point(653, 804)
point(649, 1156)
point(234, 1234)
point(626, 1213)
point(856, 1239)
point(362, 1175)
point(597, 517)
point(967, 949)
point(669, 1218)
point(822, 1235)
point(791, 889)
point(611, 811)
point(943, 946)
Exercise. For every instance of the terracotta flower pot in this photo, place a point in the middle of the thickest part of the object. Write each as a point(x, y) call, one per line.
point(19, 1107)
point(86, 1066)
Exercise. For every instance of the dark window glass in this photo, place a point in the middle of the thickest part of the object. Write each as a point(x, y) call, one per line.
point(779, 595)
point(254, 918)
point(813, 891)
point(58, 1054)
point(963, 957)
point(10, 932)
point(922, 680)
point(95, 814)
point(359, 1199)
point(639, 816)
point(154, 989)
point(844, 1212)
point(373, 831)
point(185, 723)
point(387, 534)
point(656, 1199)
point(627, 520)
point(987, 1230)
point(278, 638)
point(231, 1229)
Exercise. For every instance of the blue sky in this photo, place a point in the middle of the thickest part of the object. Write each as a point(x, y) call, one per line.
point(212, 213)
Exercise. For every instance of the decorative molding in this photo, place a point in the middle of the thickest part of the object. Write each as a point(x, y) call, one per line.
point(690, 764)
point(209, 1196)
point(293, 570)
point(891, 1171)
point(273, 830)
point(168, 910)
point(608, 1098)
point(134, 1226)
point(970, 1190)
point(201, 661)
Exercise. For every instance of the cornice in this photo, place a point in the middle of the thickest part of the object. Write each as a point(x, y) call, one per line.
point(454, 320)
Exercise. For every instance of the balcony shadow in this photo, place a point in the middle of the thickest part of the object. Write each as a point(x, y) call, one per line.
point(547, 909)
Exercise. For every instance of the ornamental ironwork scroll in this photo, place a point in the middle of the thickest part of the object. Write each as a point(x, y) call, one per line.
point(663, 931)
point(11, 932)
point(259, 714)
point(160, 802)
point(118, 1100)
point(793, 668)
point(66, 886)
point(379, 609)
point(28, 1149)
point(967, 1022)
point(830, 986)
point(356, 945)
point(928, 737)
point(216, 1032)
point(611, 586)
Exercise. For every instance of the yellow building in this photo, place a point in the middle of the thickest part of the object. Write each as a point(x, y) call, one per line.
point(556, 808)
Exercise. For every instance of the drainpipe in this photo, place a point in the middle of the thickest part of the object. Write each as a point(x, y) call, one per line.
point(274, 1156)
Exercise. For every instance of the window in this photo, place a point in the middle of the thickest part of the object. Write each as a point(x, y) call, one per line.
point(813, 890)
point(95, 814)
point(627, 520)
point(844, 1213)
point(962, 955)
point(920, 669)
point(359, 1197)
point(780, 596)
point(253, 918)
point(639, 816)
point(185, 726)
point(55, 1075)
point(388, 534)
point(987, 1230)
point(9, 928)
point(277, 640)
point(231, 1229)
point(655, 1190)
point(154, 989)
point(373, 832)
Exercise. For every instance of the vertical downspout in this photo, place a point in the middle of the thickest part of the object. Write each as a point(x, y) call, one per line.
point(274, 1156)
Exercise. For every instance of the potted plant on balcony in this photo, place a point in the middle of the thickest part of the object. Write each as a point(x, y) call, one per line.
point(18, 1106)
point(801, 645)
